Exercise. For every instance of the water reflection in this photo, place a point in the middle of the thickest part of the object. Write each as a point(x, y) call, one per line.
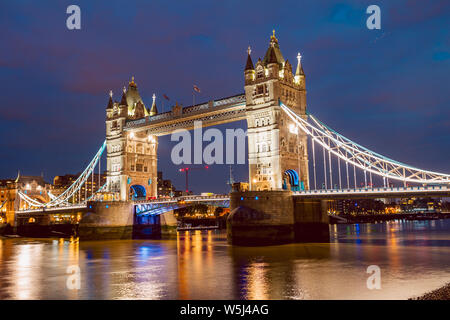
point(414, 257)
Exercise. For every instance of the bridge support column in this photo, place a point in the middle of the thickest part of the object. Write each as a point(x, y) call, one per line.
point(311, 220)
point(275, 217)
point(261, 218)
point(107, 220)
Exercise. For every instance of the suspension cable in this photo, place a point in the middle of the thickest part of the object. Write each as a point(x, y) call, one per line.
point(346, 168)
point(339, 169)
point(73, 188)
point(99, 176)
point(314, 164)
point(325, 168)
point(329, 161)
point(362, 157)
point(365, 179)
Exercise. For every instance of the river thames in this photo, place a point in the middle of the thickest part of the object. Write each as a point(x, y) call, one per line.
point(413, 256)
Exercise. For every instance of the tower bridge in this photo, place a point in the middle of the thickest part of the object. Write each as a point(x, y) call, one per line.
point(286, 147)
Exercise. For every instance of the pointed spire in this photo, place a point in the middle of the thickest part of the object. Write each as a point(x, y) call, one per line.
point(275, 48)
point(123, 101)
point(249, 64)
point(110, 102)
point(273, 39)
point(132, 83)
point(299, 71)
point(272, 58)
point(154, 110)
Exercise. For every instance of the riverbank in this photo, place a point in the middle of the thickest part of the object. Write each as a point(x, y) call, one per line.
point(442, 293)
point(377, 218)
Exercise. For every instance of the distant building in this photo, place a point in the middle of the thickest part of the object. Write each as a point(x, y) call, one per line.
point(33, 186)
point(166, 188)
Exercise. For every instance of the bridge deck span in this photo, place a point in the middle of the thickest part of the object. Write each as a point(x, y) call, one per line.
point(53, 210)
point(388, 192)
point(212, 113)
point(326, 194)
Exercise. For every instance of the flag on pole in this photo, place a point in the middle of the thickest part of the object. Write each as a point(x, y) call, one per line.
point(196, 88)
point(166, 97)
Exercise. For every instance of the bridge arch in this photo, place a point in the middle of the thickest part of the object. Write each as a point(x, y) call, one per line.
point(291, 177)
point(137, 192)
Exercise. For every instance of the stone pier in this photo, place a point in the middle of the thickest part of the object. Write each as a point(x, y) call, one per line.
point(275, 217)
point(107, 220)
point(117, 220)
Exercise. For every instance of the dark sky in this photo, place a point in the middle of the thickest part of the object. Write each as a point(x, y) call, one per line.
point(386, 89)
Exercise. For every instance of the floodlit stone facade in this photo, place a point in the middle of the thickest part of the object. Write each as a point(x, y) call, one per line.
point(275, 144)
point(131, 156)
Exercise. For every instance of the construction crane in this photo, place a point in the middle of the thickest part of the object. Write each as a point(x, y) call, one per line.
point(186, 171)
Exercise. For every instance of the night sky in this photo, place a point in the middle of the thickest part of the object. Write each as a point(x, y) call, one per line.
point(386, 89)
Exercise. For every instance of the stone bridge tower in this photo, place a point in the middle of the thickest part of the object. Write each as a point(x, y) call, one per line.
point(275, 145)
point(131, 156)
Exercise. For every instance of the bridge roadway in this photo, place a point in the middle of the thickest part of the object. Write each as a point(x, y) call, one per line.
point(326, 194)
point(159, 206)
point(163, 201)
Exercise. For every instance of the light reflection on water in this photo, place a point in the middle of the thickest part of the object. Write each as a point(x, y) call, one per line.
point(414, 257)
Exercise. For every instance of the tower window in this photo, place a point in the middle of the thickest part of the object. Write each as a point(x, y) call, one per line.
point(260, 89)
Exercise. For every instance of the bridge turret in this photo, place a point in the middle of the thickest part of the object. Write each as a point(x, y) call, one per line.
point(299, 73)
point(154, 109)
point(123, 101)
point(272, 64)
point(249, 70)
point(131, 160)
point(274, 147)
point(134, 101)
point(110, 101)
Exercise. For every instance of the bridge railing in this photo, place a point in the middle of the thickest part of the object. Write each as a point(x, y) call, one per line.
point(216, 197)
point(50, 209)
point(373, 190)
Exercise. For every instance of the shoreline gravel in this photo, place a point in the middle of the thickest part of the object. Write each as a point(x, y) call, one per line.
point(442, 293)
